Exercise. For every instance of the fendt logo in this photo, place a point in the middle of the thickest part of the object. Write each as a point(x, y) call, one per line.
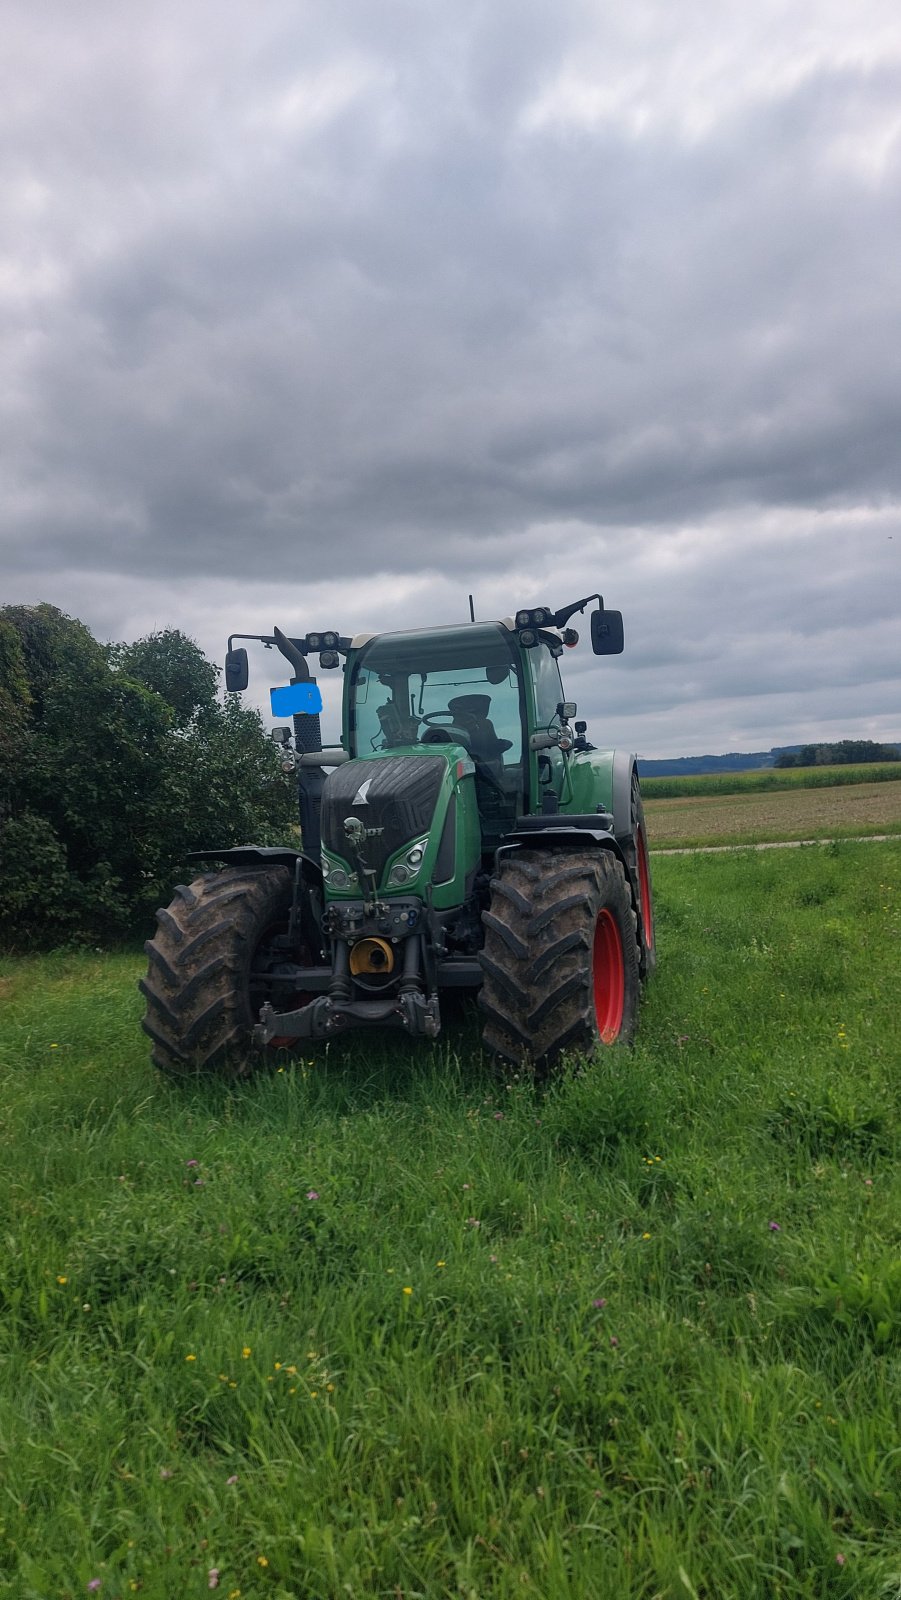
point(361, 798)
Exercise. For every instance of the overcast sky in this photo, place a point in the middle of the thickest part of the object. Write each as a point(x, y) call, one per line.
point(328, 314)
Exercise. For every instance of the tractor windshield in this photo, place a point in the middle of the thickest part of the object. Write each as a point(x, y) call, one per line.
point(454, 685)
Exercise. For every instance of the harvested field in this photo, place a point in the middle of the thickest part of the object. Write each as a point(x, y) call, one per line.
point(853, 809)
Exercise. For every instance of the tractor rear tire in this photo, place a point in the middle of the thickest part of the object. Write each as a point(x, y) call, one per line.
point(647, 944)
point(202, 1001)
point(561, 956)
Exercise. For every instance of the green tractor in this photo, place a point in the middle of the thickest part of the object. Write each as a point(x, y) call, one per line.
point(464, 835)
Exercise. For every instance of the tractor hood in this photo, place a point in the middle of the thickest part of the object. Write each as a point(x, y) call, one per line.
point(397, 798)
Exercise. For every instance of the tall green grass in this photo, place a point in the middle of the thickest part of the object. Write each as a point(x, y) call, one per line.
point(391, 1323)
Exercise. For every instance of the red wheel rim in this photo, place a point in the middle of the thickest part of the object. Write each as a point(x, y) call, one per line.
point(608, 976)
point(644, 889)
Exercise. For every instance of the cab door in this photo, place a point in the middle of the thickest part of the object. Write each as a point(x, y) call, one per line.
point(547, 687)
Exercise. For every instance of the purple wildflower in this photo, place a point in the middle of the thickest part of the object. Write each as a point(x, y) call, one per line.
point(213, 1578)
point(614, 1341)
point(775, 1227)
point(312, 1194)
point(840, 1559)
point(192, 1163)
point(598, 1304)
point(231, 1480)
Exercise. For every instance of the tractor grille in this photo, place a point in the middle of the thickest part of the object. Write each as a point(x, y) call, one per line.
point(400, 799)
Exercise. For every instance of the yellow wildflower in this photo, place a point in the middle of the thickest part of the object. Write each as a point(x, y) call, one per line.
point(61, 1279)
point(246, 1353)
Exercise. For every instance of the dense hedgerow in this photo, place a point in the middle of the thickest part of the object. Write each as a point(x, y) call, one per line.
point(114, 762)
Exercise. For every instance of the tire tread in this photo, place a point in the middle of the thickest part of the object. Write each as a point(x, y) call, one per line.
point(197, 984)
point(538, 992)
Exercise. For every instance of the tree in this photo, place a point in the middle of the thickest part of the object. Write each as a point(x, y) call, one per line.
point(846, 752)
point(176, 669)
point(114, 763)
point(15, 705)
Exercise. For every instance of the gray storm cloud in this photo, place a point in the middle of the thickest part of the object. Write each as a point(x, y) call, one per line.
point(363, 308)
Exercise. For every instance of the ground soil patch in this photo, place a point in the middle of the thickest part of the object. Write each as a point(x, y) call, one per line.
point(786, 814)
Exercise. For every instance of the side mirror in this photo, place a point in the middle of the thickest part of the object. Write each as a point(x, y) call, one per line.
point(236, 674)
point(607, 633)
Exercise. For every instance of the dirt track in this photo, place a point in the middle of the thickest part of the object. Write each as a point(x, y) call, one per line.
point(769, 844)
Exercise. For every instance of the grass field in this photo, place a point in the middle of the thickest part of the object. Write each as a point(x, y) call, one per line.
point(765, 780)
point(392, 1325)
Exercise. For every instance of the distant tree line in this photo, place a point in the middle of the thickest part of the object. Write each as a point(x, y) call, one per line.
point(115, 760)
point(847, 752)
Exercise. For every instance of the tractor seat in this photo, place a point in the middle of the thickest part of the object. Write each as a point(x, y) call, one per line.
point(470, 712)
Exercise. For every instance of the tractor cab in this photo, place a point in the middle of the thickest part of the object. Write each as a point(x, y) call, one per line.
point(448, 686)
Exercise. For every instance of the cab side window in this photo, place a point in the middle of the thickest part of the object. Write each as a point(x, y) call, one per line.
point(548, 686)
point(548, 695)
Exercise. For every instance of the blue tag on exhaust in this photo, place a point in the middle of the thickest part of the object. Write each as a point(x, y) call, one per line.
point(295, 699)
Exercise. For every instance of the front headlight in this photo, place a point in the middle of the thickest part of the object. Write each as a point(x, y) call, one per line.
point(409, 864)
point(335, 874)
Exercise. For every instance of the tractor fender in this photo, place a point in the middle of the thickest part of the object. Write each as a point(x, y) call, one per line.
point(621, 773)
point(604, 777)
point(625, 766)
point(562, 832)
point(261, 855)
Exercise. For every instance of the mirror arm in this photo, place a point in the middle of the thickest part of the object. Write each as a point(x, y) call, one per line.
point(562, 616)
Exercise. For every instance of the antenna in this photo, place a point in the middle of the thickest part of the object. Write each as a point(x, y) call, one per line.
point(472, 614)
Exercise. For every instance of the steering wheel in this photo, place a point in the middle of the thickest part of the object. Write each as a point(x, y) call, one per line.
point(447, 732)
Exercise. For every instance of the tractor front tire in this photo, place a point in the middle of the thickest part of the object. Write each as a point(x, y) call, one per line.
point(561, 956)
point(209, 947)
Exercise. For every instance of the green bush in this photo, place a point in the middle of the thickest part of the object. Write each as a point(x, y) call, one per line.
point(114, 764)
